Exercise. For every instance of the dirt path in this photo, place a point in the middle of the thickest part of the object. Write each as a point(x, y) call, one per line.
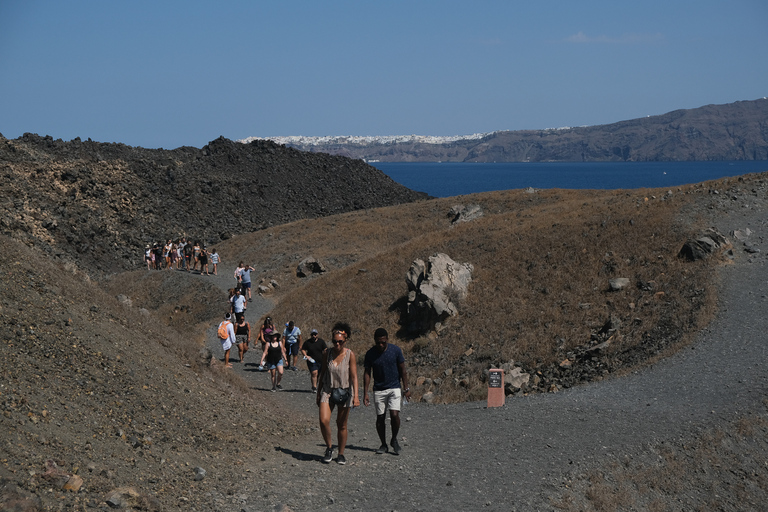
point(517, 457)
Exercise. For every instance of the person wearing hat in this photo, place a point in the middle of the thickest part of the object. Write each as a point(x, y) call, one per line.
point(313, 350)
point(148, 257)
point(387, 364)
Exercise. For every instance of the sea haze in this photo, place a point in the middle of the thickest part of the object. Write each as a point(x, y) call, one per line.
point(453, 179)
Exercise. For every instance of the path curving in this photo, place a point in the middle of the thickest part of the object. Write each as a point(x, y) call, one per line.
point(516, 457)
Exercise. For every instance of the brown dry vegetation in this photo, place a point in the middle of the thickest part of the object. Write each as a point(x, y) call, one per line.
point(540, 287)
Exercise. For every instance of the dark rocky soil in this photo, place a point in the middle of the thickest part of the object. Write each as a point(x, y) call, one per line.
point(99, 204)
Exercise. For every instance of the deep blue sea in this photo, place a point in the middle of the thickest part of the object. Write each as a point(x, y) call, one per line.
point(453, 179)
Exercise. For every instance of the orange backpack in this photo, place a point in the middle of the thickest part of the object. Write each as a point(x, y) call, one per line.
point(223, 334)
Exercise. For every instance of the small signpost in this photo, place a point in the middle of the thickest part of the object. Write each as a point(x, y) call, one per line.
point(495, 388)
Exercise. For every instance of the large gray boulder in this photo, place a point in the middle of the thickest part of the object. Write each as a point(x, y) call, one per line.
point(435, 290)
point(309, 266)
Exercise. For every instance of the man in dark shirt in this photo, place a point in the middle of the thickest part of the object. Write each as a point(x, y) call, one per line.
point(387, 364)
point(313, 349)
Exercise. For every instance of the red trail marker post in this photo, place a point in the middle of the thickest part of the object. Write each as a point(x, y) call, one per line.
point(496, 388)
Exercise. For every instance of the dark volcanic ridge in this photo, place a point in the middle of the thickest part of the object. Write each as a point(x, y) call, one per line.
point(735, 131)
point(99, 204)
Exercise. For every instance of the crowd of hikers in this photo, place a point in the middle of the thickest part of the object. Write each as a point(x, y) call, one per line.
point(182, 255)
point(332, 369)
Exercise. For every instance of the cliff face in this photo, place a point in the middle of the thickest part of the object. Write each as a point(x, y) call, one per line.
point(99, 204)
point(736, 131)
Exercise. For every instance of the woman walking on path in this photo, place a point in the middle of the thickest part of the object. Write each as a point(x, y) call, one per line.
point(243, 336)
point(266, 329)
point(215, 260)
point(204, 261)
point(273, 356)
point(338, 371)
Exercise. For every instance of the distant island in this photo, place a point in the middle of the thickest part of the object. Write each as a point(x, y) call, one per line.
point(734, 131)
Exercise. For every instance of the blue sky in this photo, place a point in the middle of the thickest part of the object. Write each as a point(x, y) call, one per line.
point(167, 73)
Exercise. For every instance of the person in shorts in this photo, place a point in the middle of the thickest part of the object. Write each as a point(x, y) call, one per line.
point(238, 304)
point(292, 336)
point(243, 336)
point(313, 350)
point(387, 365)
point(273, 356)
point(226, 343)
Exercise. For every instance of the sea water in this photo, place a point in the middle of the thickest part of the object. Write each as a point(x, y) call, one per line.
point(453, 179)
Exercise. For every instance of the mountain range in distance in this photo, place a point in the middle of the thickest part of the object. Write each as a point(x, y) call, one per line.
point(734, 131)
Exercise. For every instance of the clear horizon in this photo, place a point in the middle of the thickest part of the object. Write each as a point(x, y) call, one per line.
point(177, 73)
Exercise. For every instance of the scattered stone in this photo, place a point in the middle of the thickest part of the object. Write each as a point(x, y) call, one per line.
point(73, 484)
point(619, 283)
point(742, 234)
point(516, 380)
point(428, 397)
point(199, 473)
point(204, 356)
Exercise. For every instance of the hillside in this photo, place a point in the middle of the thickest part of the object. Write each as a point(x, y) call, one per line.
point(99, 204)
point(104, 382)
point(735, 131)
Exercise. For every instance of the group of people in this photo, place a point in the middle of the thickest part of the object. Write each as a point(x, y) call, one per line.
point(333, 374)
point(181, 255)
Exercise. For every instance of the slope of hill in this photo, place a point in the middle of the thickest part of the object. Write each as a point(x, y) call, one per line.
point(99, 204)
point(96, 388)
point(735, 131)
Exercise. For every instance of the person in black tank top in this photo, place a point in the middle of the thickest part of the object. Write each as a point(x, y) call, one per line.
point(273, 356)
point(243, 336)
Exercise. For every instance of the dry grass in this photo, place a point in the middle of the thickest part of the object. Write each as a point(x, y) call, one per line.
point(540, 286)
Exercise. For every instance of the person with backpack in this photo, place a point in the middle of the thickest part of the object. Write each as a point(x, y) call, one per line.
point(227, 337)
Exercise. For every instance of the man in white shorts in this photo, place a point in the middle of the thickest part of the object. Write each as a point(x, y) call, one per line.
point(387, 364)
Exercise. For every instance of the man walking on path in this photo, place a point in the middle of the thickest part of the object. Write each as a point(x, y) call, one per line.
point(292, 336)
point(387, 364)
point(245, 278)
point(227, 338)
point(238, 304)
point(313, 350)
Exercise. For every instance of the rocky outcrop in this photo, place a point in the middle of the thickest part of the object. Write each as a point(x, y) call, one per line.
point(435, 290)
point(465, 213)
point(309, 266)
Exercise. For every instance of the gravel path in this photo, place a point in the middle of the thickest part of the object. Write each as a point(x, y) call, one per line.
point(517, 457)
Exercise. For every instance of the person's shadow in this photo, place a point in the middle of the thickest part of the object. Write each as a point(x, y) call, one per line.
point(304, 457)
